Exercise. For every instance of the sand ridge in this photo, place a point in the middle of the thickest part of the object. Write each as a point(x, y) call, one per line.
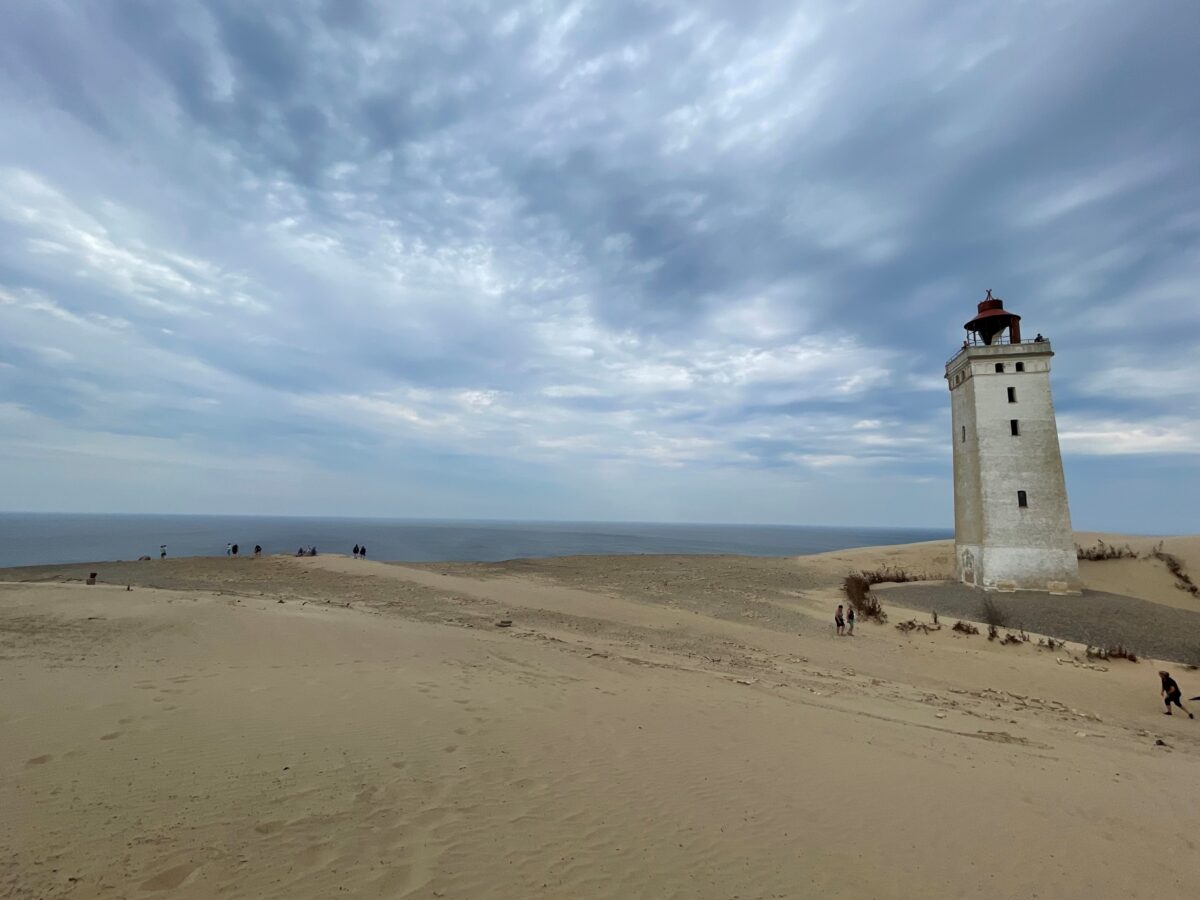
point(647, 727)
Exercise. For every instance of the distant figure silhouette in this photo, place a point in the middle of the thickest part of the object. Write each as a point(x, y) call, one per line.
point(235, 549)
point(257, 550)
point(300, 552)
point(162, 551)
point(312, 551)
point(229, 549)
point(356, 551)
point(362, 552)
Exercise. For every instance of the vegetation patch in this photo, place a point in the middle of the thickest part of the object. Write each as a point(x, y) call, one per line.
point(1102, 551)
point(858, 593)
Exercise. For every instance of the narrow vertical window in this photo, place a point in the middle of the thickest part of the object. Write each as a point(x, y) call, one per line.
point(964, 434)
point(1020, 367)
point(1012, 395)
point(999, 367)
point(1015, 426)
point(1022, 500)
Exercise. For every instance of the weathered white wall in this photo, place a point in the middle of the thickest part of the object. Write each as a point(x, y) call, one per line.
point(1006, 546)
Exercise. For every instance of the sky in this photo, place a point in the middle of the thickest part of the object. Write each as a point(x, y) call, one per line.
point(694, 261)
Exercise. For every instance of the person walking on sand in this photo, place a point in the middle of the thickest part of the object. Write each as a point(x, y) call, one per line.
point(235, 549)
point(839, 621)
point(257, 550)
point(850, 621)
point(356, 551)
point(362, 552)
point(162, 551)
point(229, 549)
point(1172, 694)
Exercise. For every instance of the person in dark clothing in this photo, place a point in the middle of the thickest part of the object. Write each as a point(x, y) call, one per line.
point(362, 552)
point(1172, 694)
point(356, 551)
point(839, 620)
point(235, 549)
point(258, 550)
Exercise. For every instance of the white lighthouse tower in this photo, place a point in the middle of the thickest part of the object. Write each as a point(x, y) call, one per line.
point(1012, 526)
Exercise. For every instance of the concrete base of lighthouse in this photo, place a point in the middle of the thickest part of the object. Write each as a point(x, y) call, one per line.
point(1018, 568)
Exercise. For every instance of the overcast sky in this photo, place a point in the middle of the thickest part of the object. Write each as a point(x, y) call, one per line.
point(671, 261)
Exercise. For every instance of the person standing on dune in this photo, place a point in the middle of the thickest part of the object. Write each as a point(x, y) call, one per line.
point(850, 621)
point(840, 621)
point(362, 552)
point(356, 551)
point(1171, 693)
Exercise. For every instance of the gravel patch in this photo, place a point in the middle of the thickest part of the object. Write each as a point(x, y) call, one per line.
point(1095, 618)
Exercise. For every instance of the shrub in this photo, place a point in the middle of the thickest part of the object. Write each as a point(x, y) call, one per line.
point(1105, 551)
point(993, 632)
point(891, 574)
point(858, 593)
point(965, 628)
point(1183, 581)
point(991, 614)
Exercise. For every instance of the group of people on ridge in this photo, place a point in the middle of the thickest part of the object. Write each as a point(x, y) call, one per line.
point(360, 552)
point(230, 550)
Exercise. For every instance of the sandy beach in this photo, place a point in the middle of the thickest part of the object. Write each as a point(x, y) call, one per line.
point(646, 726)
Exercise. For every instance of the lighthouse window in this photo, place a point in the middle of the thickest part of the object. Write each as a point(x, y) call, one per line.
point(1015, 426)
point(1022, 500)
point(1012, 395)
point(964, 434)
point(999, 367)
point(1020, 367)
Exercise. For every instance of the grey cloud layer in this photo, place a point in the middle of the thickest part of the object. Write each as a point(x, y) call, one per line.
point(540, 240)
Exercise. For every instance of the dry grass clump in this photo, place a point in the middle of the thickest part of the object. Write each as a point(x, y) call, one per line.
point(1105, 551)
point(1120, 651)
point(1183, 581)
point(858, 593)
point(914, 625)
point(1051, 643)
point(893, 574)
point(964, 628)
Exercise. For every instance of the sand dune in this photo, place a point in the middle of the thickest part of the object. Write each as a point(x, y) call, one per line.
point(647, 727)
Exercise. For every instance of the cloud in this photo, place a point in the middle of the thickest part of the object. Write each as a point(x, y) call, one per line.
point(701, 250)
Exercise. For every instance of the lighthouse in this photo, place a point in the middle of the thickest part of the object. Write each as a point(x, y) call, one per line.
point(1012, 524)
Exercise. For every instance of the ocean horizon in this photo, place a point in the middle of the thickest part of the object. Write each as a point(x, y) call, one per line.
point(28, 539)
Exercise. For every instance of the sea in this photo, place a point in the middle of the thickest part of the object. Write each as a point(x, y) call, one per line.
point(28, 539)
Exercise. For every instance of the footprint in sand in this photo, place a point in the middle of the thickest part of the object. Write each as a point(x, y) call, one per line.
point(111, 736)
point(450, 748)
point(39, 760)
point(269, 827)
point(169, 879)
